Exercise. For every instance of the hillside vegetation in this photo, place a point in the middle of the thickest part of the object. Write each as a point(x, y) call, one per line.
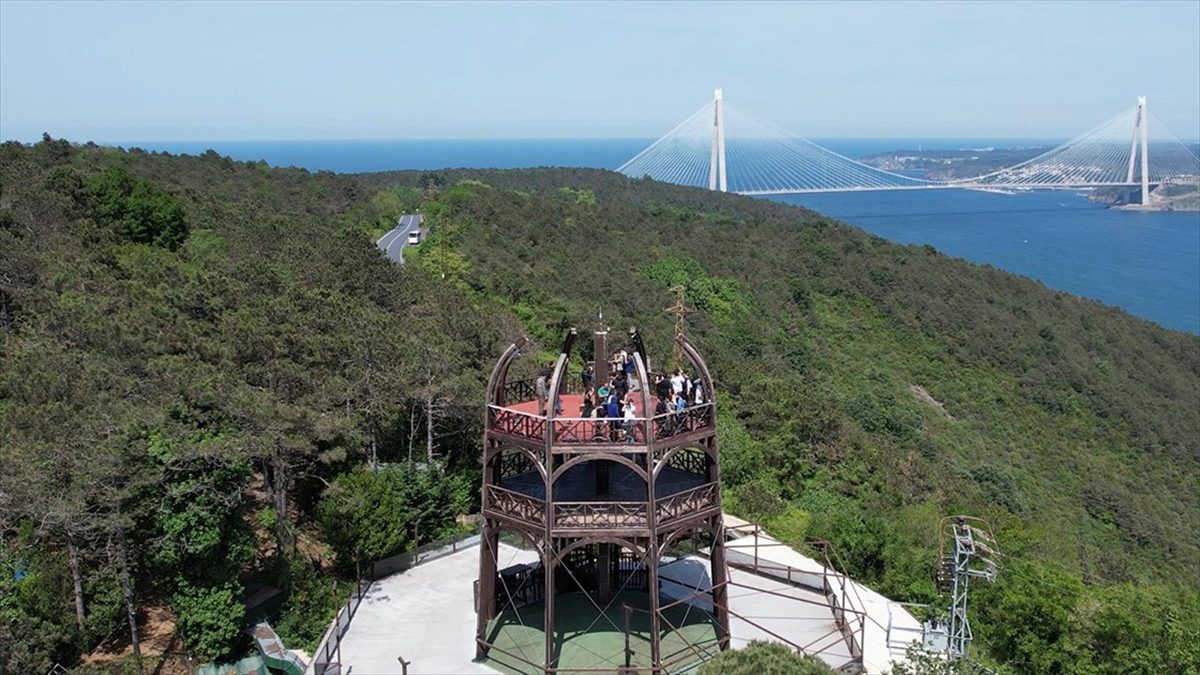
point(193, 348)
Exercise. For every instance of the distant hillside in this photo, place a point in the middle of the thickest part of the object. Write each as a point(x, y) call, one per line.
point(1067, 420)
point(192, 345)
point(951, 164)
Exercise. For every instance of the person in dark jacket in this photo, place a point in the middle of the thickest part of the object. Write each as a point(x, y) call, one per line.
point(662, 386)
point(587, 376)
point(621, 385)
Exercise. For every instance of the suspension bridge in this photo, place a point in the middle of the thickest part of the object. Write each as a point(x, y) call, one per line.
point(724, 149)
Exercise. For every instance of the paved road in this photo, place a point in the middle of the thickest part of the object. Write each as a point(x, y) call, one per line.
point(393, 242)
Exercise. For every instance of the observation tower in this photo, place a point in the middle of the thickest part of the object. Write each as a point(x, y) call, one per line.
point(614, 510)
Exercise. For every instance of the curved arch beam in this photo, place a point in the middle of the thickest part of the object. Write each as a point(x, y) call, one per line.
point(596, 456)
point(701, 367)
point(665, 459)
point(500, 372)
point(678, 534)
point(502, 527)
point(639, 365)
point(529, 454)
point(560, 369)
point(623, 543)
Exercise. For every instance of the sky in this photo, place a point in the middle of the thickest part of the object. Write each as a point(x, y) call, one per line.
point(277, 70)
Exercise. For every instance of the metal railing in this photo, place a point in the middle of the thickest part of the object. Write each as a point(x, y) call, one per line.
point(841, 595)
point(328, 658)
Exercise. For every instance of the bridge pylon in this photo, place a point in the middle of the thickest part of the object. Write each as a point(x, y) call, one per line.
point(716, 163)
point(1140, 134)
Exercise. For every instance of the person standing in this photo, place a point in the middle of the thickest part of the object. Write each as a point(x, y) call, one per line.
point(541, 389)
point(587, 377)
point(621, 384)
point(662, 386)
point(677, 382)
point(631, 421)
point(662, 419)
point(613, 412)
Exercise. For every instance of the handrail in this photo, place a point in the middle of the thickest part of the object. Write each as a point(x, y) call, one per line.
point(640, 418)
point(525, 508)
point(327, 659)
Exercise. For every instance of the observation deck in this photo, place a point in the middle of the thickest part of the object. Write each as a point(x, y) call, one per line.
point(555, 472)
point(603, 498)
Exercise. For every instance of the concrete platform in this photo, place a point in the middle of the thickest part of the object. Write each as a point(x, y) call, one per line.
point(426, 615)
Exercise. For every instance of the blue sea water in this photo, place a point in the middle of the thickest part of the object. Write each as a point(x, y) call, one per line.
point(1147, 263)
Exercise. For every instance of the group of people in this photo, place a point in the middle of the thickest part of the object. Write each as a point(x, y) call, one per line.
point(614, 407)
point(613, 404)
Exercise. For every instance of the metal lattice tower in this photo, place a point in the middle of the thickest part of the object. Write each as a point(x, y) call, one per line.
point(966, 551)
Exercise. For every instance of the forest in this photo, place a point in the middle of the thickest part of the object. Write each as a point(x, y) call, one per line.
point(212, 382)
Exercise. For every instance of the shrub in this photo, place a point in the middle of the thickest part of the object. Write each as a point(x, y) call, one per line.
point(764, 658)
point(136, 209)
point(367, 515)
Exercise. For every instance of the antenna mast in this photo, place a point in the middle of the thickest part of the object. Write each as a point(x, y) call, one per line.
point(966, 551)
point(679, 310)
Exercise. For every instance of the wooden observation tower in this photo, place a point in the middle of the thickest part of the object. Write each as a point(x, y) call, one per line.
point(605, 505)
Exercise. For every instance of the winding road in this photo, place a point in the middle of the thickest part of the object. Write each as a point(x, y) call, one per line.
point(392, 243)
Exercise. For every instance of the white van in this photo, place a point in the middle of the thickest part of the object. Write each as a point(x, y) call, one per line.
point(414, 237)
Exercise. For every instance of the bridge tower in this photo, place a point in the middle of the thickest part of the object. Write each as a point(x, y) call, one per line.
point(716, 162)
point(1140, 134)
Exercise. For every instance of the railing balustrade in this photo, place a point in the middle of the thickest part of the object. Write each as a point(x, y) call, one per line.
point(516, 423)
point(686, 503)
point(586, 515)
point(599, 431)
point(603, 430)
point(517, 391)
point(520, 506)
point(677, 423)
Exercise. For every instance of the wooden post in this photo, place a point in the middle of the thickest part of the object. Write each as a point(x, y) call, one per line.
point(652, 553)
point(600, 351)
point(604, 573)
point(549, 564)
point(720, 588)
point(628, 652)
point(489, 540)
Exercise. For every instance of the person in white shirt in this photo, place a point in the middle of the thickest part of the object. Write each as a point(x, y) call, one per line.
point(678, 382)
point(630, 421)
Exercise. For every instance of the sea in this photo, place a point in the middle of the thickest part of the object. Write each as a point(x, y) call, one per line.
point(1147, 263)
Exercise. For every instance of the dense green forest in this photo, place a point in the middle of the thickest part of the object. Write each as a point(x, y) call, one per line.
point(200, 357)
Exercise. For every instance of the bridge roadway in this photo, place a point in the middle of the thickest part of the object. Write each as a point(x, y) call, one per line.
point(946, 186)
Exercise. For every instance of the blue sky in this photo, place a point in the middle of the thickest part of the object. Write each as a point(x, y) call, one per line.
point(228, 71)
